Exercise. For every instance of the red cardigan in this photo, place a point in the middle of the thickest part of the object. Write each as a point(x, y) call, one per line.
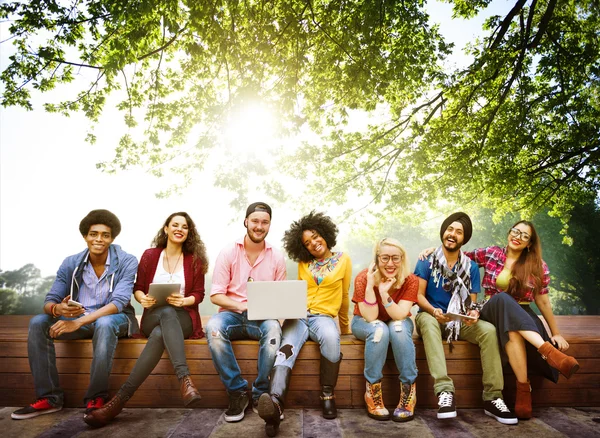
point(194, 284)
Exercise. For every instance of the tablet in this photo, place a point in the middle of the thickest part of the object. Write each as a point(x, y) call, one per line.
point(160, 292)
point(458, 317)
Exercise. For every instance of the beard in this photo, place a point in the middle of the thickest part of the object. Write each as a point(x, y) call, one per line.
point(256, 239)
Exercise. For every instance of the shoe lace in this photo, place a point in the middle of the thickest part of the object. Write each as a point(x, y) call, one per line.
point(445, 399)
point(500, 405)
point(406, 394)
point(377, 395)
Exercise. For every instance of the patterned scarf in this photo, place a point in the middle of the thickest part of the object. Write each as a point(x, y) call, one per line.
point(456, 282)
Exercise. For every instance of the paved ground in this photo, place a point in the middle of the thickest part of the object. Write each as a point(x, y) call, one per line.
point(155, 423)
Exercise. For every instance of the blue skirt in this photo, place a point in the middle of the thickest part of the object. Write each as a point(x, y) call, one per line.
point(507, 315)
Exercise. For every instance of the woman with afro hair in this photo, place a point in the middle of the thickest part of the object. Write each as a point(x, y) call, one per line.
point(328, 274)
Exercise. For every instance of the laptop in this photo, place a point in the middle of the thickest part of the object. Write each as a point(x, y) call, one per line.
point(276, 299)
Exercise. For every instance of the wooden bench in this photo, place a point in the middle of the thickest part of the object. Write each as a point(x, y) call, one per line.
point(161, 389)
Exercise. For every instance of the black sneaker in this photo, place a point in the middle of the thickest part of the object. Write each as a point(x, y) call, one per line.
point(447, 407)
point(497, 409)
point(39, 407)
point(238, 402)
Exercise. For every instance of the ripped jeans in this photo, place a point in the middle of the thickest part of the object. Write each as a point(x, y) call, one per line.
point(319, 328)
point(227, 326)
point(378, 336)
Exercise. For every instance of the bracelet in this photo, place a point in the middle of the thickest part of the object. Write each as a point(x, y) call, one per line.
point(388, 304)
point(370, 304)
point(52, 307)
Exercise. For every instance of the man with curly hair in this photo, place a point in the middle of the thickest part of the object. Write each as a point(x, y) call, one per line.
point(100, 279)
point(328, 275)
point(250, 258)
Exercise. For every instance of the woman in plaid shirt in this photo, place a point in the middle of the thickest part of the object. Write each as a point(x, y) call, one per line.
point(514, 277)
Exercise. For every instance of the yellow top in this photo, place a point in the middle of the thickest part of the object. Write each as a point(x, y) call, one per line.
point(503, 279)
point(331, 296)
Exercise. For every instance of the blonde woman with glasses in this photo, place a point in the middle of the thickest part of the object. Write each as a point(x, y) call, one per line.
point(383, 296)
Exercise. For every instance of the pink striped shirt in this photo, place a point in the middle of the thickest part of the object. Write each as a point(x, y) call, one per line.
point(233, 270)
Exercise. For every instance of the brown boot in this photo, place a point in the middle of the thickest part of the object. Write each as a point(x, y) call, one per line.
point(566, 365)
point(523, 401)
point(374, 401)
point(101, 417)
point(189, 393)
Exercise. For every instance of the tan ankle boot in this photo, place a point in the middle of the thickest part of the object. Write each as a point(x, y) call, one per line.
point(189, 393)
point(566, 365)
point(523, 402)
point(101, 417)
point(374, 401)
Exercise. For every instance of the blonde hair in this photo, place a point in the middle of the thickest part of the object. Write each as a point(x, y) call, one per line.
point(403, 268)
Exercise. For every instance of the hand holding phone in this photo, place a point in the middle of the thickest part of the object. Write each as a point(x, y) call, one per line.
point(74, 303)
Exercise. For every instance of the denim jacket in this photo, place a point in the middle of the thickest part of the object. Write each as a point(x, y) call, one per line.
point(121, 274)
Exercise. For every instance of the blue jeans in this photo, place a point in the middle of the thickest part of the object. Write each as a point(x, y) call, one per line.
point(378, 335)
point(227, 326)
point(319, 328)
point(105, 333)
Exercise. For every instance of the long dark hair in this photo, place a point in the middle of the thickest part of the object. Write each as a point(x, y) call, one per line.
point(192, 245)
point(527, 271)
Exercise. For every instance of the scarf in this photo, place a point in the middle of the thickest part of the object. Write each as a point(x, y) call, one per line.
point(458, 283)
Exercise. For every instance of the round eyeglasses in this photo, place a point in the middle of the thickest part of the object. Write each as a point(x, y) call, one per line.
point(515, 232)
point(386, 258)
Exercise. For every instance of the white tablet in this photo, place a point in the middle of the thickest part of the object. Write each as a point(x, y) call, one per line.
point(458, 317)
point(160, 292)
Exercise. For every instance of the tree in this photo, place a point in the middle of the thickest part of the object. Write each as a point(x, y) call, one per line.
point(190, 64)
point(516, 129)
point(23, 290)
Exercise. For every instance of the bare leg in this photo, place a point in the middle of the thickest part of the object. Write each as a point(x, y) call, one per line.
point(517, 356)
point(534, 338)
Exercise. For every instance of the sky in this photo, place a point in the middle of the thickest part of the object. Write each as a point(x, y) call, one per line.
point(49, 180)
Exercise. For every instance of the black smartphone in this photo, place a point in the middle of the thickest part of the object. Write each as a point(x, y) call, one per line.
point(376, 261)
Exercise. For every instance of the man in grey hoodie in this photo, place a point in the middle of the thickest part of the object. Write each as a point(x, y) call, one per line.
point(89, 299)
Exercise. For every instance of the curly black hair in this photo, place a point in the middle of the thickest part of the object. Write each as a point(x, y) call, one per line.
point(292, 239)
point(192, 245)
point(103, 217)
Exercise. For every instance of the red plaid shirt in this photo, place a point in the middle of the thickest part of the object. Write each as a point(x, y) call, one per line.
point(492, 259)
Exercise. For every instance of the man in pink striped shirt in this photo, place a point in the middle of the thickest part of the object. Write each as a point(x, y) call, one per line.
point(250, 258)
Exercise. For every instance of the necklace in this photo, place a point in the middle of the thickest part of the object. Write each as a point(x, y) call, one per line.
point(169, 266)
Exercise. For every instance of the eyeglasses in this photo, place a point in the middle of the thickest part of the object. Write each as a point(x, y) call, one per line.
point(386, 258)
point(515, 232)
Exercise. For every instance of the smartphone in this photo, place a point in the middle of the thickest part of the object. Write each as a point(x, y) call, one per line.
point(74, 303)
point(376, 261)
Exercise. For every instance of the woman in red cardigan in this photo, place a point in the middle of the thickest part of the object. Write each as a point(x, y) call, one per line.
point(178, 256)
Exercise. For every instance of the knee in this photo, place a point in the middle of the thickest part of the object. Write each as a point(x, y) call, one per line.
point(402, 329)
point(271, 329)
point(106, 326)
point(39, 324)
point(379, 333)
point(166, 312)
point(330, 338)
point(214, 330)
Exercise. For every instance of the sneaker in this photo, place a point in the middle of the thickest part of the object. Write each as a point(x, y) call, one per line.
point(447, 408)
point(39, 407)
point(93, 404)
point(238, 402)
point(497, 409)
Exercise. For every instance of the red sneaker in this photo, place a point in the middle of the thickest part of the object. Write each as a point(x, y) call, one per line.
point(39, 407)
point(93, 404)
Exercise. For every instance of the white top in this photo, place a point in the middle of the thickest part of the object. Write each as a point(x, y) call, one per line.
point(162, 276)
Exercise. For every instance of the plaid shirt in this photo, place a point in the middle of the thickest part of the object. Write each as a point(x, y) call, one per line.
point(492, 259)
